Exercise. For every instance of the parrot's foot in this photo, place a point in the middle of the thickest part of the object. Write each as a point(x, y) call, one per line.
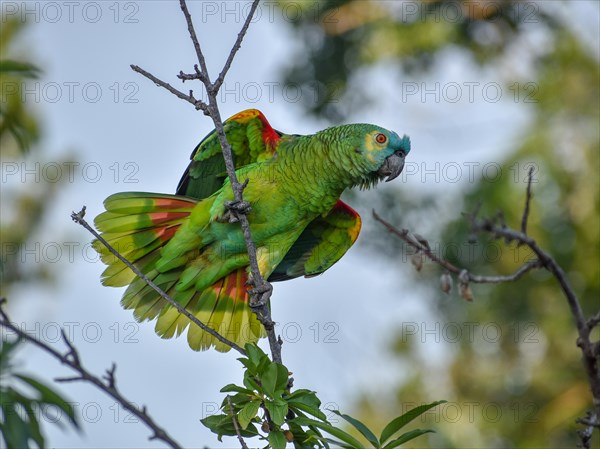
point(234, 209)
point(260, 295)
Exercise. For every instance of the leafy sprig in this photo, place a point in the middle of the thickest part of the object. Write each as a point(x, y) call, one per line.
point(266, 408)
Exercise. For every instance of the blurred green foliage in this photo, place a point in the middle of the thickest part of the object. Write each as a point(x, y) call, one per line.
point(23, 204)
point(525, 386)
point(17, 122)
point(21, 410)
point(341, 37)
point(23, 398)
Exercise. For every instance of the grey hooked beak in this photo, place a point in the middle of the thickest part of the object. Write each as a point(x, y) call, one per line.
point(392, 166)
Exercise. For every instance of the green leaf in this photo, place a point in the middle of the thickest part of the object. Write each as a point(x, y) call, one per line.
point(15, 431)
point(6, 354)
point(337, 443)
point(247, 413)
point(277, 440)
point(277, 409)
point(364, 430)
point(274, 379)
point(263, 365)
point(23, 69)
point(223, 425)
point(295, 405)
point(282, 377)
point(254, 353)
point(306, 401)
point(231, 388)
point(250, 367)
point(406, 437)
point(49, 396)
point(238, 400)
point(251, 384)
point(33, 425)
point(396, 424)
point(306, 438)
point(216, 424)
point(269, 379)
point(338, 433)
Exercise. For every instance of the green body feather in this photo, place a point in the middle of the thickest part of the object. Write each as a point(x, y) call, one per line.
point(187, 246)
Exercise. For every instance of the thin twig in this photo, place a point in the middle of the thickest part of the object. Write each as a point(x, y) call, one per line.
point(404, 235)
point(545, 259)
point(517, 274)
point(498, 229)
point(72, 360)
point(262, 290)
point(590, 421)
point(240, 208)
point(236, 425)
point(78, 218)
point(590, 358)
point(527, 202)
point(593, 321)
point(198, 104)
point(192, 31)
point(235, 48)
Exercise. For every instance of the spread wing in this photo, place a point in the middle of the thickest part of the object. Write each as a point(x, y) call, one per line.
point(324, 241)
point(251, 138)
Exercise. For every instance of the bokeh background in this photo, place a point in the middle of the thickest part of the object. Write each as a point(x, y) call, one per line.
point(485, 90)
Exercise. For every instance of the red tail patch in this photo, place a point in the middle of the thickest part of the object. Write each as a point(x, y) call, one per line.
point(162, 217)
point(234, 285)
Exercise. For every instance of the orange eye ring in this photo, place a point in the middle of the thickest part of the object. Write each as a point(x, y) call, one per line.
point(381, 138)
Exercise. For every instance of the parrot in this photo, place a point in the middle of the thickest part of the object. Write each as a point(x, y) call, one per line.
point(187, 244)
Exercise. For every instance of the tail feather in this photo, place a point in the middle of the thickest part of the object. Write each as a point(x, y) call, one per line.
point(139, 226)
point(127, 203)
point(119, 275)
point(113, 222)
point(223, 307)
point(144, 300)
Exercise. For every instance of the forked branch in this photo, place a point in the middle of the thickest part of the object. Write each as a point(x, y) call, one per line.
point(261, 292)
point(78, 218)
point(107, 383)
point(496, 227)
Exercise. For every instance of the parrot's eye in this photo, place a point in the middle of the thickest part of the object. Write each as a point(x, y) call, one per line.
point(381, 138)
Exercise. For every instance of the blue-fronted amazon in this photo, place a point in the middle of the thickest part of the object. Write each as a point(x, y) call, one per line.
point(187, 246)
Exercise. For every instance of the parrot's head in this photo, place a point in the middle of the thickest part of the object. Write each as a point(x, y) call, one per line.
point(379, 153)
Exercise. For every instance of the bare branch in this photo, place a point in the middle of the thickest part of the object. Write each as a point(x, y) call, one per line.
point(526, 267)
point(261, 292)
point(199, 54)
point(593, 321)
point(235, 48)
point(591, 421)
point(497, 229)
point(590, 356)
point(78, 218)
point(198, 104)
point(197, 75)
point(545, 259)
point(404, 234)
point(236, 425)
point(527, 202)
point(72, 360)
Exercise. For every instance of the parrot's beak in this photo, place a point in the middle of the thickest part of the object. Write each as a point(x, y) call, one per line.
point(392, 166)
